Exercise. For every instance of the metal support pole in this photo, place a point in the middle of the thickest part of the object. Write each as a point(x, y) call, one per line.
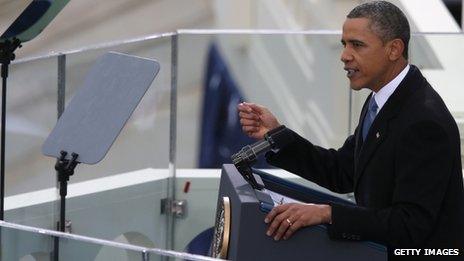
point(61, 84)
point(173, 109)
point(61, 98)
point(2, 160)
point(145, 256)
point(2, 145)
point(172, 144)
point(462, 16)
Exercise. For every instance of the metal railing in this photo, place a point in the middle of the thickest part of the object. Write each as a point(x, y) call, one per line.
point(144, 251)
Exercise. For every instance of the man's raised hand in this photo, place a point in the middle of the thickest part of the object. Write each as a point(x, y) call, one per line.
point(256, 120)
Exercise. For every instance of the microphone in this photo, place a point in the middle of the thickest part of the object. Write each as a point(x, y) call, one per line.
point(275, 139)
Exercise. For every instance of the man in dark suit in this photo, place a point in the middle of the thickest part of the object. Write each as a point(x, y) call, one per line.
point(403, 162)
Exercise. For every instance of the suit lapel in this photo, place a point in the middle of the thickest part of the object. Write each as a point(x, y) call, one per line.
point(379, 128)
point(375, 137)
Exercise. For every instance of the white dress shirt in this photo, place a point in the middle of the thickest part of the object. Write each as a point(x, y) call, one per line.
point(386, 91)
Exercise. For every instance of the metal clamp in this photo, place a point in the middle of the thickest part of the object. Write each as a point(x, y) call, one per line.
point(67, 226)
point(178, 208)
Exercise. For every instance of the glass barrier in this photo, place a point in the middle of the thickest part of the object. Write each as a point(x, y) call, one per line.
point(297, 75)
point(143, 143)
point(23, 245)
point(439, 57)
point(32, 113)
point(30, 243)
point(30, 116)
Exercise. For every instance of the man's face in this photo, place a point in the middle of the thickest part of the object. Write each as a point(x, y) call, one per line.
point(365, 56)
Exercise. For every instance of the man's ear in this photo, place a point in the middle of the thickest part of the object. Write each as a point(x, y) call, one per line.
point(396, 49)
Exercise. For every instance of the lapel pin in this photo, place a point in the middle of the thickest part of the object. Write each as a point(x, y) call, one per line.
point(377, 135)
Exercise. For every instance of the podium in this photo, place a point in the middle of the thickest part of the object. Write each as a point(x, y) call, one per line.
point(240, 231)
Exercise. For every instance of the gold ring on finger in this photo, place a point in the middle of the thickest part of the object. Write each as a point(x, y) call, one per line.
point(289, 222)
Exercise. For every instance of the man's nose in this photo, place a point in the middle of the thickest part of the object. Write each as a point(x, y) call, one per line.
point(346, 56)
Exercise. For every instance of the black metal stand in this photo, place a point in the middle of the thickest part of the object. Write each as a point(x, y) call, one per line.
point(110, 100)
point(245, 169)
point(7, 49)
point(65, 169)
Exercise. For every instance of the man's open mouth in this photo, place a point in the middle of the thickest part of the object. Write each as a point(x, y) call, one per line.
point(350, 72)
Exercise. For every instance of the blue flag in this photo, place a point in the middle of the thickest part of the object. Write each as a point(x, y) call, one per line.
point(221, 132)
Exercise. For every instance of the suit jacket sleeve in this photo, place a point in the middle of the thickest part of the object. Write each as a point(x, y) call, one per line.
point(332, 169)
point(422, 174)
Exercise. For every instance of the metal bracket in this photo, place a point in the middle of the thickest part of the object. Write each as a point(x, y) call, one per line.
point(67, 226)
point(178, 208)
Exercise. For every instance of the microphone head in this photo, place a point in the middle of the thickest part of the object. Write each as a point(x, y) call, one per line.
point(244, 159)
point(246, 154)
point(279, 137)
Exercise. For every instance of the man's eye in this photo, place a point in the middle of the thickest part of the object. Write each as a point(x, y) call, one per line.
point(355, 44)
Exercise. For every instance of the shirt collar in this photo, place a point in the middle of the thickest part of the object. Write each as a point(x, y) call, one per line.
point(386, 91)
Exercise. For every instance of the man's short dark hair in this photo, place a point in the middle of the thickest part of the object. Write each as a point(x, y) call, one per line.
point(386, 20)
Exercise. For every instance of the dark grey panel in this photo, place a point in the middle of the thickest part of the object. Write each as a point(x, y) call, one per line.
point(248, 240)
point(99, 110)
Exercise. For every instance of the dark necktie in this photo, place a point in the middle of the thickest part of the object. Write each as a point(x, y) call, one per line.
point(369, 118)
